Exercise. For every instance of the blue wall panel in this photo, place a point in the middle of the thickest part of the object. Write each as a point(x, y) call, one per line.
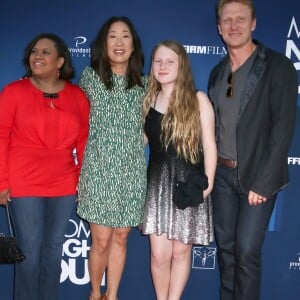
point(192, 23)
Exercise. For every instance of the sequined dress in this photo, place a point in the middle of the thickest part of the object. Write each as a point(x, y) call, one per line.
point(192, 225)
point(112, 184)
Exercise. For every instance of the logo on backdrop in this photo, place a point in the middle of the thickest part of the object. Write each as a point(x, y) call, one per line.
point(74, 263)
point(294, 161)
point(75, 253)
point(295, 264)
point(292, 51)
point(205, 50)
point(81, 48)
point(276, 217)
point(204, 257)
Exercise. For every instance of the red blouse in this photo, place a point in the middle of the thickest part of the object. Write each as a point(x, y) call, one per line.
point(37, 140)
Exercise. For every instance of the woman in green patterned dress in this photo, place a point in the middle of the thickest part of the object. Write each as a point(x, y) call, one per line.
point(112, 185)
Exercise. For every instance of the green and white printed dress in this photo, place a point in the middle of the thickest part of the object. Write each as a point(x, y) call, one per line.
point(112, 183)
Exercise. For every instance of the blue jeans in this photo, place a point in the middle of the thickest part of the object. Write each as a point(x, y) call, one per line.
point(239, 231)
point(40, 224)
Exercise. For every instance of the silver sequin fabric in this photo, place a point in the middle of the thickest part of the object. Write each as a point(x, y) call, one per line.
point(192, 225)
point(112, 184)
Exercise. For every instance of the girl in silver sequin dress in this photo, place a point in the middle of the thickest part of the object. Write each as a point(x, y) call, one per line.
point(179, 126)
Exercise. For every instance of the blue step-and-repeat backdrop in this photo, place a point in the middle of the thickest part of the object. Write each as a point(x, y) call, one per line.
point(191, 22)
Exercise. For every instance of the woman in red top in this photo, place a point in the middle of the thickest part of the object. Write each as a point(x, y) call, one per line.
point(44, 121)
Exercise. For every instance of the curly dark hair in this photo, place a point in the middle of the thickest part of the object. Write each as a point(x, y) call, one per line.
point(67, 71)
point(100, 61)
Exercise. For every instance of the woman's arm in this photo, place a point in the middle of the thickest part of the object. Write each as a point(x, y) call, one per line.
point(145, 140)
point(8, 105)
point(207, 120)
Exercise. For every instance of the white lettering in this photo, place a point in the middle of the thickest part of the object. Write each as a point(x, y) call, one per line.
point(75, 252)
point(80, 50)
point(293, 25)
point(69, 271)
point(291, 48)
point(294, 160)
point(75, 248)
point(78, 230)
point(294, 265)
point(208, 50)
point(80, 40)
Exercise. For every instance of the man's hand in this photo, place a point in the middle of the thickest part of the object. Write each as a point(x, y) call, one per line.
point(256, 199)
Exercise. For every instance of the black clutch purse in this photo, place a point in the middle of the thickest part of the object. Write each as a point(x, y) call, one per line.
point(188, 190)
point(10, 253)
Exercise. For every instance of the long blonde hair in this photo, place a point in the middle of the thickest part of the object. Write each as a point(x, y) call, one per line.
point(181, 123)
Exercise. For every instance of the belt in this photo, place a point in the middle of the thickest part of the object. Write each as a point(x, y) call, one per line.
point(227, 162)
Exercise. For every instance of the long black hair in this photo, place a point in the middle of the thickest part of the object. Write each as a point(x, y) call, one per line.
point(100, 61)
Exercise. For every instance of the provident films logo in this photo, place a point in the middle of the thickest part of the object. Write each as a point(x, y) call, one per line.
point(74, 263)
point(292, 51)
point(81, 48)
point(295, 265)
point(204, 257)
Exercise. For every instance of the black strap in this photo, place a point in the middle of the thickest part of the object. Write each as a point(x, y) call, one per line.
point(155, 100)
point(9, 221)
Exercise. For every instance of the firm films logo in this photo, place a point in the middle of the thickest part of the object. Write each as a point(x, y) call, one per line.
point(204, 258)
point(205, 50)
point(295, 161)
point(292, 50)
point(295, 264)
point(81, 48)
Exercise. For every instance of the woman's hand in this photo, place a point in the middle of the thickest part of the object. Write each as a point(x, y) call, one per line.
point(4, 197)
point(207, 192)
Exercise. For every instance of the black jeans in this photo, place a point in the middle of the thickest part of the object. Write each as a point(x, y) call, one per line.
point(239, 231)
